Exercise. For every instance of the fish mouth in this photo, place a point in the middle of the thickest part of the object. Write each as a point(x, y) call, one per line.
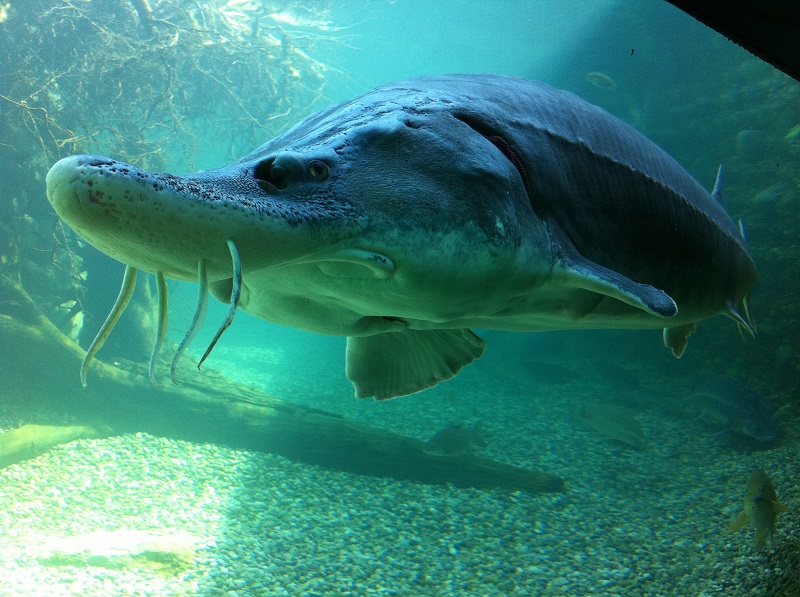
point(203, 228)
point(89, 193)
point(111, 205)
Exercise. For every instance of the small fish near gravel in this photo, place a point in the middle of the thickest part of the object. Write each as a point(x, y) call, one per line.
point(761, 508)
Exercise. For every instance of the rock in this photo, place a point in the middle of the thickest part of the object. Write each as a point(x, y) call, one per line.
point(164, 552)
point(30, 441)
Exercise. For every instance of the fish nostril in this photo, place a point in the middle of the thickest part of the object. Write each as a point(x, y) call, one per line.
point(284, 169)
point(264, 174)
point(272, 174)
point(278, 175)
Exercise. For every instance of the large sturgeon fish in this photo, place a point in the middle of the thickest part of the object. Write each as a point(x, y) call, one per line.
point(426, 207)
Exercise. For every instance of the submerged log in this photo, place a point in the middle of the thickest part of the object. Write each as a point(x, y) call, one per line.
point(40, 374)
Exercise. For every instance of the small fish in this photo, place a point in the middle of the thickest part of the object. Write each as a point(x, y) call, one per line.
point(761, 508)
point(457, 440)
point(772, 194)
point(614, 422)
point(729, 406)
point(601, 80)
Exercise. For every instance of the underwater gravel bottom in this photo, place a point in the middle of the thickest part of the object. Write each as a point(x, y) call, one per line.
point(631, 523)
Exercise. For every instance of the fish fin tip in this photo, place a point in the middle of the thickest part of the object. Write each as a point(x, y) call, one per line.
point(605, 282)
point(778, 507)
point(580, 272)
point(716, 193)
point(745, 323)
point(742, 233)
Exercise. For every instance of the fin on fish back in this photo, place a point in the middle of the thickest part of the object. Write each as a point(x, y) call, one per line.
point(394, 364)
point(745, 324)
point(717, 192)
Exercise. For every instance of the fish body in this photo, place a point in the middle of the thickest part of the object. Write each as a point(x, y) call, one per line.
point(411, 214)
point(614, 422)
point(761, 508)
point(457, 440)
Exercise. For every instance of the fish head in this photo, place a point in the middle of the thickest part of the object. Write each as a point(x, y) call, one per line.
point(443, 229)
point(159, 222)
point(457, 440)
point(359, 213)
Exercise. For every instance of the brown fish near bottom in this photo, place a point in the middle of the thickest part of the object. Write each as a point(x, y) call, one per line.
point(457, 440)
point(761, 508)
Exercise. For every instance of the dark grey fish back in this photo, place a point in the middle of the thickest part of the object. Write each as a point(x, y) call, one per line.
point(621, 200)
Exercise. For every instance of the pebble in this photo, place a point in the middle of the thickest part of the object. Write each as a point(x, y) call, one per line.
point(641, 523)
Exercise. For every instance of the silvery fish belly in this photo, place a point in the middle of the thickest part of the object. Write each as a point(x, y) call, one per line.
point(406, 216)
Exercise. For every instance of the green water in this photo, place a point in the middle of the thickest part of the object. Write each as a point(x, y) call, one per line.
point(195, 86)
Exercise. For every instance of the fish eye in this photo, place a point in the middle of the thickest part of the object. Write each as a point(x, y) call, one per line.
point(318, 170)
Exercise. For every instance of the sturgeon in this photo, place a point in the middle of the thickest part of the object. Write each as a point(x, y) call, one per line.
point(411, 214)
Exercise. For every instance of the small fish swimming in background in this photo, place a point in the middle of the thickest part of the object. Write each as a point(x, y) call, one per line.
point(601, 80)
point(728, 406)
point(613, 422)
point(457, 440)
point(761, 508)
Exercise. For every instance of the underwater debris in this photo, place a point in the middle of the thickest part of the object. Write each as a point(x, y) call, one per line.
point(761, 508)
point(613, 422)
point(457, 440)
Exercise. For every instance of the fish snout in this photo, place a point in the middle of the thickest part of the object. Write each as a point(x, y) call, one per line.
point(285, 169)
point(65, 184)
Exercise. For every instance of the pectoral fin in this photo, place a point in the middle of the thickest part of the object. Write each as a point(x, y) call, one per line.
point(578, 272)
point(739, 523)
point(394, 364)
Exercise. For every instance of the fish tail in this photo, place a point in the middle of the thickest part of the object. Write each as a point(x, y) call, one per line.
point(761, 537)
